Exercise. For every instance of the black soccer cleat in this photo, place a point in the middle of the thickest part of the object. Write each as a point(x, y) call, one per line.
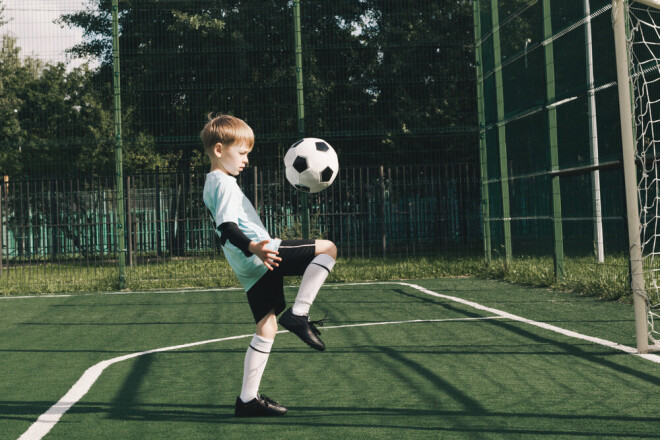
point(302, 327)
point(260, 406)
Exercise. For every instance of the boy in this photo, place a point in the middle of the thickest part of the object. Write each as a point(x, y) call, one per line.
point(259, 261)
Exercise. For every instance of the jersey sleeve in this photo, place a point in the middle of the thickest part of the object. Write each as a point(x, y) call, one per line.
point(227, 205)
point(230, 231)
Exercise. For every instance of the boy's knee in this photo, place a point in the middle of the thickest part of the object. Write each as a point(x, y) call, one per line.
point(267, 327)
point(326, 247)
point(332, 250)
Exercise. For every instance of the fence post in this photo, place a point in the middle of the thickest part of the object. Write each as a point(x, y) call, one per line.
point(129, 220)
point(593, 138)
point(2, 189)
point(121, 219)
point(300, 105)
point(501, 131)
point(384, 210)
point(159, 219)
point(558, 235)
point(256, 190)
point(483, 153)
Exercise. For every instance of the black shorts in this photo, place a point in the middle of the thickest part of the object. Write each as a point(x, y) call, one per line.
point(268, 293)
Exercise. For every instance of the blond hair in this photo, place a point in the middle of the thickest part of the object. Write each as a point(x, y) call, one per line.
point(226, 130)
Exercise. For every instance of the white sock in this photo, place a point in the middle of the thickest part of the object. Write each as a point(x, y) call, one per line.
point(312, 280)
point(255, 364)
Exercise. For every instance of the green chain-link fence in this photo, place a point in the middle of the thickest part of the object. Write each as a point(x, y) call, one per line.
point(390, 84)
point(550, 137)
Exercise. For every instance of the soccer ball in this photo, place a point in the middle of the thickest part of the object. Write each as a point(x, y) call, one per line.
point(311, 165)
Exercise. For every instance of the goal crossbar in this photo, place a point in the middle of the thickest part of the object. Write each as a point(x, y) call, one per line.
point(653, 3)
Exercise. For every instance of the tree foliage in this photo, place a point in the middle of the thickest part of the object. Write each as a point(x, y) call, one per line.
point(12, 76)
point(373, 71)
point(378, 76)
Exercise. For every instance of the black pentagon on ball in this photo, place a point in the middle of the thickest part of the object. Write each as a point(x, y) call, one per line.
point(326, 174)
point(294, 145)
point(303, 188)
point(322, 146)
point(300, 164)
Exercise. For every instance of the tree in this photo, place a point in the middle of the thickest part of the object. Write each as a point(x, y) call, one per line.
point(424, 82)
point(13, 75)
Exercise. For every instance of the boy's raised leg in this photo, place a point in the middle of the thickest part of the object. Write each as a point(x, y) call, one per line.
point(296, 319)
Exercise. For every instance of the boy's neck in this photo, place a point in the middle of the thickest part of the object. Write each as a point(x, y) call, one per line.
point(218, 167)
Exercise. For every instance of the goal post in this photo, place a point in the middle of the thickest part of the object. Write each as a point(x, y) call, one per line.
point(654, 3)
point(634, 59)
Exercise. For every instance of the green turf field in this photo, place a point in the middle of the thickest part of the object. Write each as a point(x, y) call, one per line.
point(461, 373)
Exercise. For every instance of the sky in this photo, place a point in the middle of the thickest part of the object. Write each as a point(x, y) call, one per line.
point(32, 23)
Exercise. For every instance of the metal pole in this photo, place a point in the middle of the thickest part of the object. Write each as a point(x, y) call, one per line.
point(129, 222)
point(483, 155)
point(121, 219)
point(2, 189)
point(501, 132)
point(558, 234)
point(159, 217)
point(593, 137)
point(619, 21)
point(383, 211)
point(256, 190)
point(300, 105)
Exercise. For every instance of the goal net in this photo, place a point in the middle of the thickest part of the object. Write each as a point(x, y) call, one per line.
point(644, 67)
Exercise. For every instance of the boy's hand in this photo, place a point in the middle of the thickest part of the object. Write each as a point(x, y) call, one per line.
point(268, 256)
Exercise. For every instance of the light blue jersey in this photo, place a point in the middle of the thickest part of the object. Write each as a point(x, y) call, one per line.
point(227, 203)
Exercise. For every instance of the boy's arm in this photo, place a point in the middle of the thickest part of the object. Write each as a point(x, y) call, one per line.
point(230, 231)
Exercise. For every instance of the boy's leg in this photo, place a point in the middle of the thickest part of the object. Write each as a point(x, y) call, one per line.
point(314, 276)
point(296, 319)
point(266, 299)
point(250, 403)
point(256, 357)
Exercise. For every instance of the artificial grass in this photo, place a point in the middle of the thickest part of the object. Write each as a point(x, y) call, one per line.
point(453, 379)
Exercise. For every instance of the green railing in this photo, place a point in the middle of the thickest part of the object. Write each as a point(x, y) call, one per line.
point(371, 211)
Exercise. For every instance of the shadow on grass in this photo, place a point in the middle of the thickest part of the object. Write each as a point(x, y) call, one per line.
point(568, 348)
point(395, 420)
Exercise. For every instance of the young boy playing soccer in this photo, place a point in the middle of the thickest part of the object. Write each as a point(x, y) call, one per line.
point(259, 261)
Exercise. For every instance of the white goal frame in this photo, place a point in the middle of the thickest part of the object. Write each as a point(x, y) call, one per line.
point(654, 3)
point(628, 138)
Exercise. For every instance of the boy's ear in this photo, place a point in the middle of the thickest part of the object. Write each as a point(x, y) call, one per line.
point(217, 149)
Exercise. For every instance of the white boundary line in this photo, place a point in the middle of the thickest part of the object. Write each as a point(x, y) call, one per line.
point(630, 350)
point(128, 292)
point(47, 420)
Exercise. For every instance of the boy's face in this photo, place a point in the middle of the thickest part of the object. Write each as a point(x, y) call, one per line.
point(232, 159)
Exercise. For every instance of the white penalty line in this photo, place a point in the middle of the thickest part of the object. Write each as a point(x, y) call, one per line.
point(47, 420)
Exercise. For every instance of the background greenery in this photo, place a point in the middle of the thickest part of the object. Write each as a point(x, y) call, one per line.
point(381, 78)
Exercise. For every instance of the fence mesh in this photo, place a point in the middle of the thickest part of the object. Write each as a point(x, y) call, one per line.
point(550, 133)
point(390, 84)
